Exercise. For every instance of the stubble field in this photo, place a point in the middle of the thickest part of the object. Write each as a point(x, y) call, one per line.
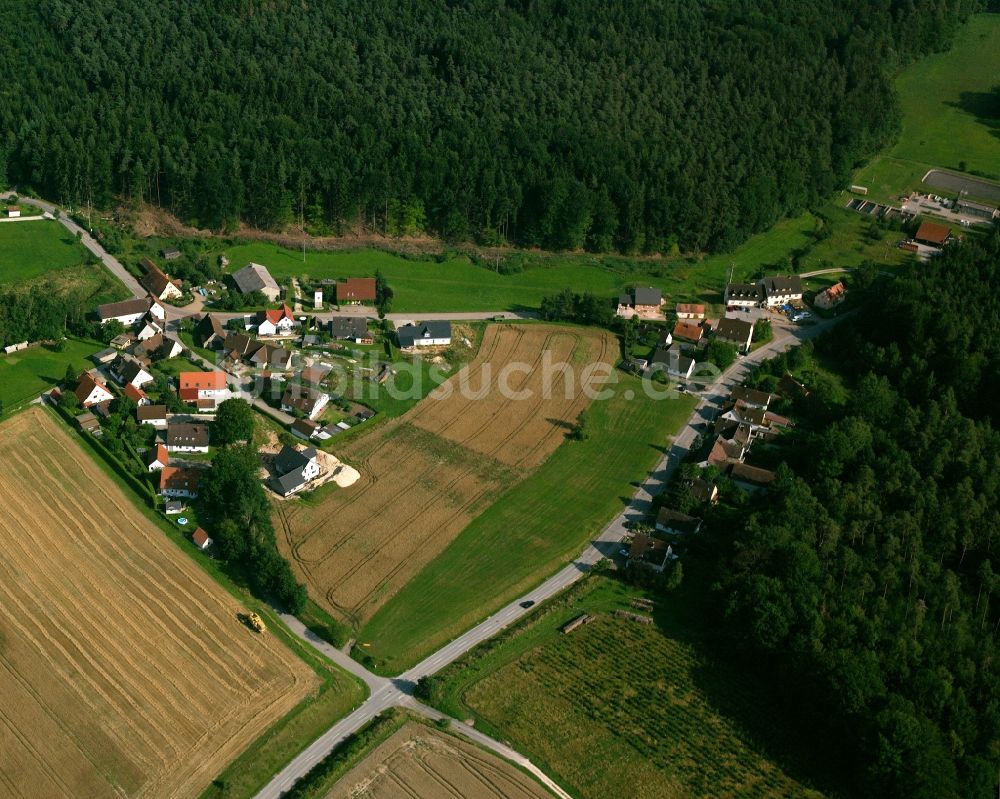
point(420, 763)
point(124, 670)
point(427, 475)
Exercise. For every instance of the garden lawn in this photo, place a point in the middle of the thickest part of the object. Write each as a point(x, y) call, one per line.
point(24, 375)
point(530, 531)
point(647, 704)
point(29, 250)
point(947, 117)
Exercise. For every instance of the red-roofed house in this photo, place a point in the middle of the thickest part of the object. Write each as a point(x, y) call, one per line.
point(158, 458)
point(275, 323)
point(176, 482)
point(201, 539)
point(689, 331)
point(356, 290)
point(136, 394)
point(91, 391)
point(686, 310)
point(196, 387)
point(834, 295)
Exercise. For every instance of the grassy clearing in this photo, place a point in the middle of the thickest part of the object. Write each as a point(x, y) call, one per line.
point(530, 531)
point(947, 119)
point(668, 720)
point(24, 375)
point(29, 250)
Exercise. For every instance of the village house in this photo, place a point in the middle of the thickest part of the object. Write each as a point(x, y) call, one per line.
point(130, 371)
point(703, 490)
point(209, 332)
point(735, 331)
point(170, 254)
point(254, 277)
point(726, 451)
point(279, 322)
point(782, 290)
point(676, 523)
point(351, 328)
point(685, 310)
point(356, 291)
point(158, 458)
point(304, 428)
point(137, 395)
point(201, 539)
point(752, 477)
point(275, 359)
point(91, 391)
point(157, 348)
point(651, 553)
point(645, 301)
point(689, 331)
point(153, 415)
point(157, 283)
point(315, 374)
point(187, 437)
point(744, 295)
point(304, 399)
point(831, 296)
point(295, 469)
point(130, 312)
point(179, 483)
point(104, 357)
point(752, 397)
point(149, 328)
point(671, 361)
point(88, 423)
point(123, 341)
point(426, 334)
point(204, 389)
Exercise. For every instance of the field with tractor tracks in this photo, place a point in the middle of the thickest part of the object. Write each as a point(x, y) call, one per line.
point(418, 762)
point(124, 670)
point(428, 474)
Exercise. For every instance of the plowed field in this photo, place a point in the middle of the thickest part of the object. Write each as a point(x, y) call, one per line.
point(123, 668)
point(426, 475)
point(420, 763)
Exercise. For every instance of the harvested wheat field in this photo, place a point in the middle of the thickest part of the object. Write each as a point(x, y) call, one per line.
point(124, 671)
point(421, 763)
point(426, 475)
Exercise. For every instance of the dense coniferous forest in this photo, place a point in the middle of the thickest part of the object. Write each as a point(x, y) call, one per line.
point(638, 126)
point(865, 583)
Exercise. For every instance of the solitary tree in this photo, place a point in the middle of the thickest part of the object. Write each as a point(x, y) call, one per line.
point(233, 422)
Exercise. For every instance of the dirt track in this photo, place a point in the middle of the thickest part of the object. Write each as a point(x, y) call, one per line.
point(425, 476)
point(421, 763)
point(123, 668)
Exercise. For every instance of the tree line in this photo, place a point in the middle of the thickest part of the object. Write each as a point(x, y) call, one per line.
point(639, 127)
point(863, 583)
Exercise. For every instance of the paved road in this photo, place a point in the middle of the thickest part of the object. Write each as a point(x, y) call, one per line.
point(397, 691)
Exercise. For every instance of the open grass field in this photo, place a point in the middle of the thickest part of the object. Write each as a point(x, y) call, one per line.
point(123, 666)
point(530, 531)
point(418, 762)
point(622, 709)
point(24, 375)
point(428, 474)
point(29, 250)
point(948, 118)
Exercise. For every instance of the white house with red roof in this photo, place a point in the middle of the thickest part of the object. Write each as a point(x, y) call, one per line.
point(91, 391)
point(158, 458)
point(278, 322)
point(203, 388)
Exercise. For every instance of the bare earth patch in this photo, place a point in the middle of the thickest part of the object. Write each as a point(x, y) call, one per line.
point(426, 475)
point(124, 670)
point(421, 763)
